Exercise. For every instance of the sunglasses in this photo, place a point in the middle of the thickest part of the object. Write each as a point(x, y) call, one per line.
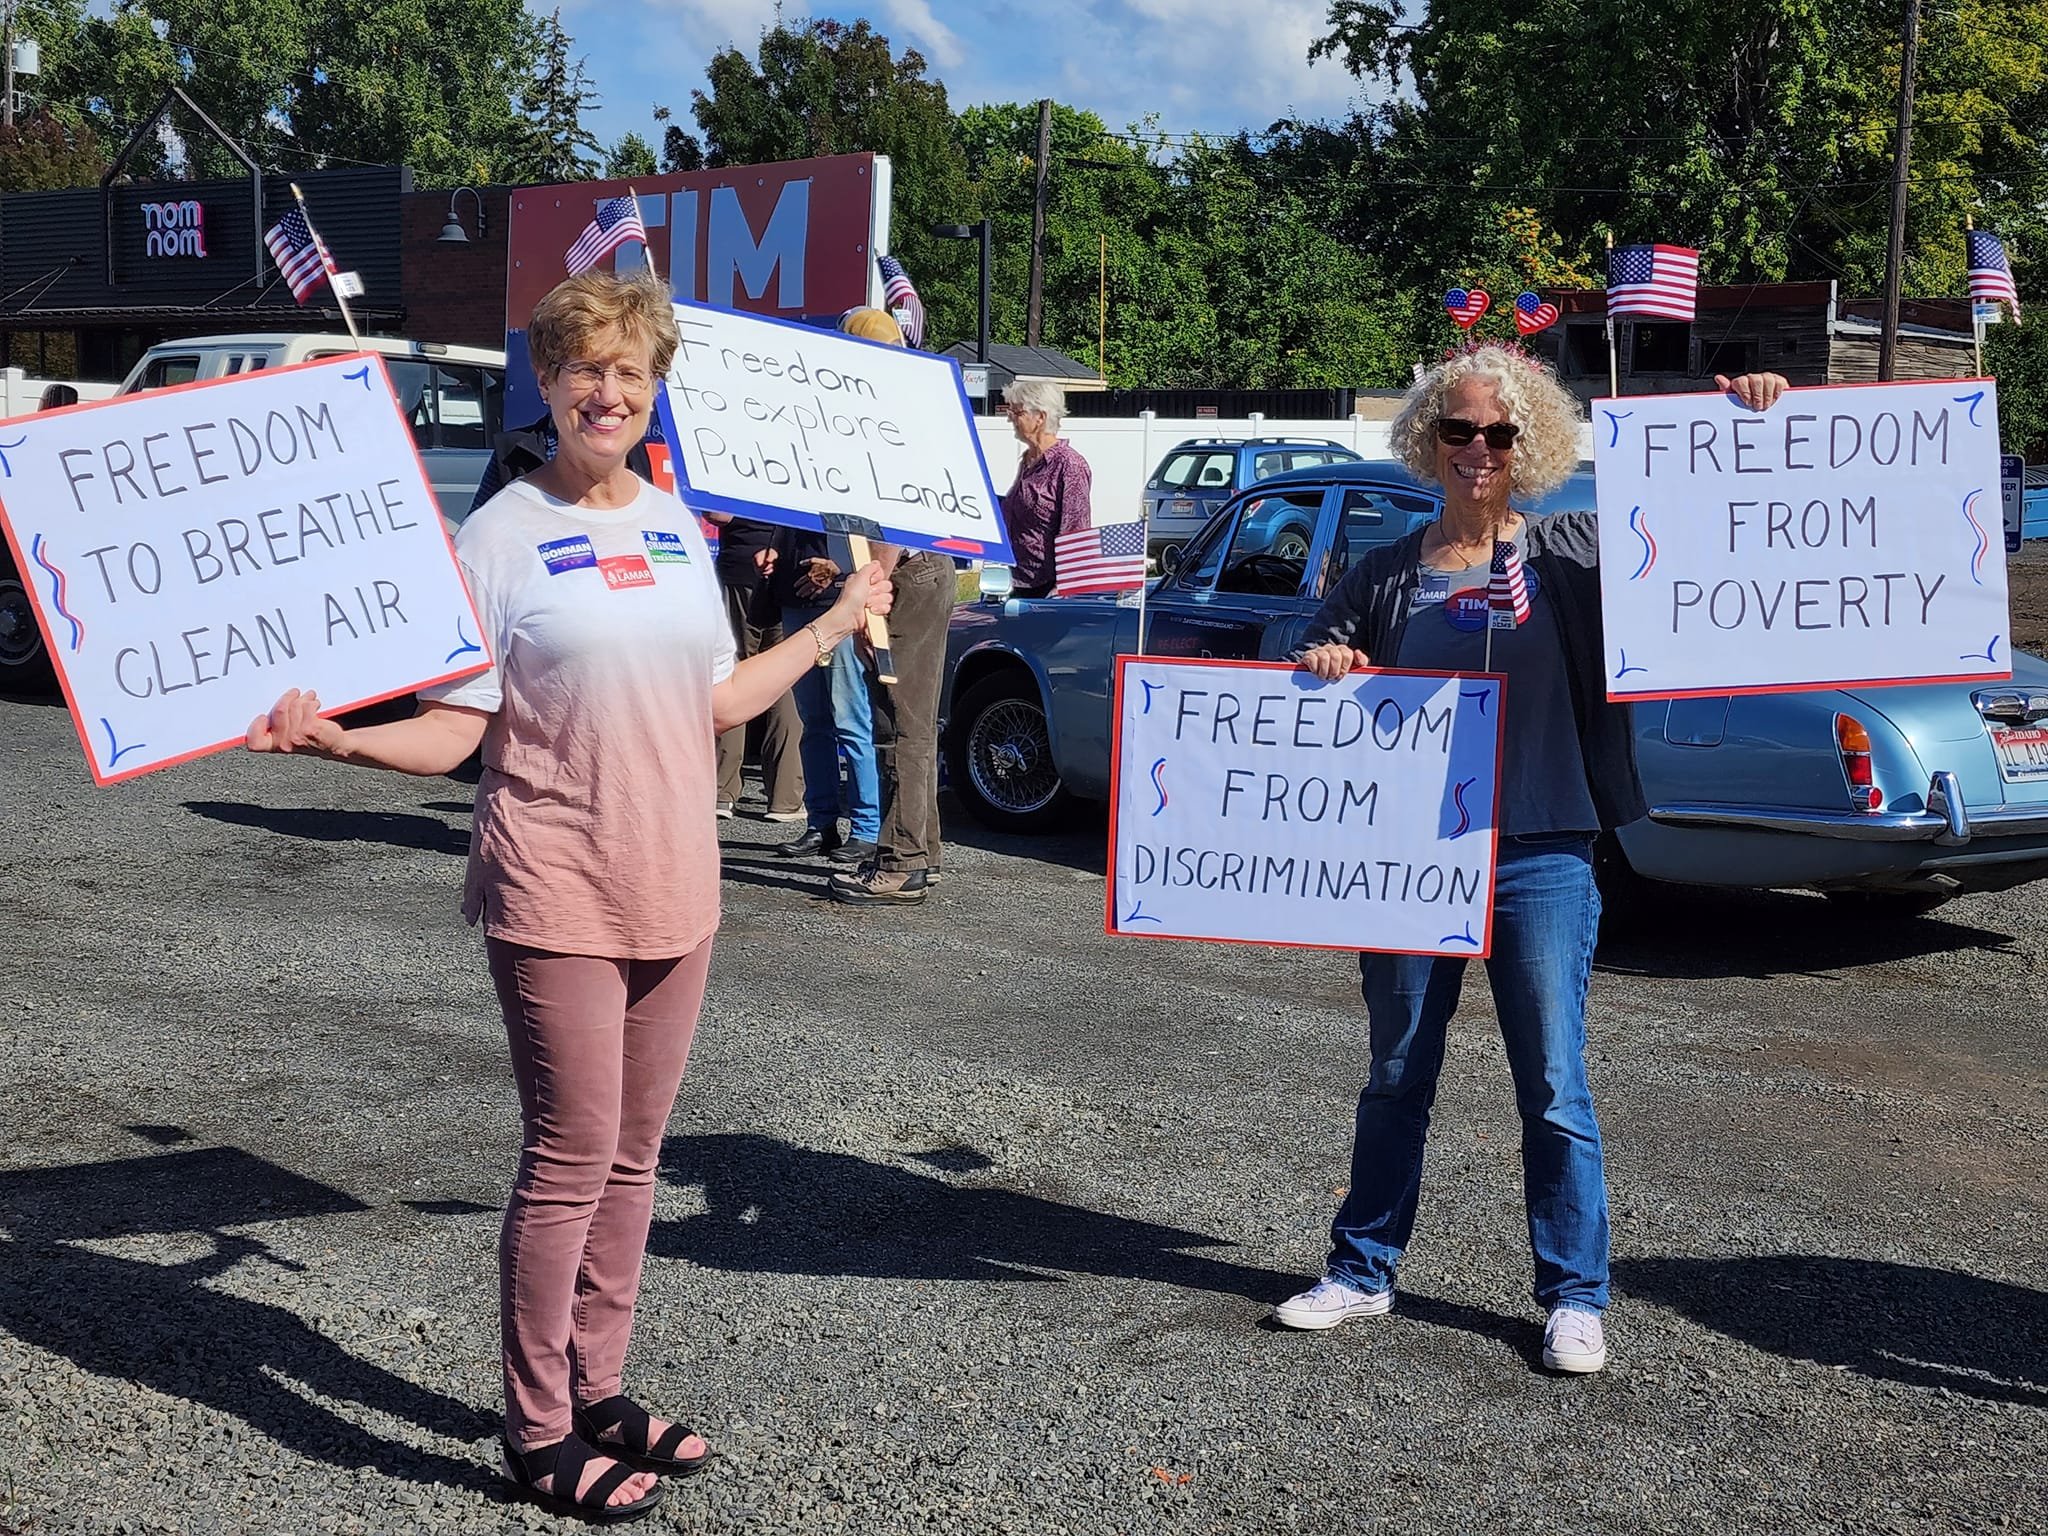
point(1457, 432)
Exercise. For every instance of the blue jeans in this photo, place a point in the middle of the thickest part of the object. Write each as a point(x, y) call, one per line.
point(833, 704)
point(1546, 914)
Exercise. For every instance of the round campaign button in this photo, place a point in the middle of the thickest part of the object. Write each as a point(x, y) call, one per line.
point(1468, 611)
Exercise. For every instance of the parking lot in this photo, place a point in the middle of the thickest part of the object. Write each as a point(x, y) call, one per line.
point(970, 1215)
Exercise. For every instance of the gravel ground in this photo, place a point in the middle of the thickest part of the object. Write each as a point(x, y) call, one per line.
point(970, 1215)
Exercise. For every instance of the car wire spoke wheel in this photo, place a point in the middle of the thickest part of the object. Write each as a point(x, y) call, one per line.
point(1009, 757)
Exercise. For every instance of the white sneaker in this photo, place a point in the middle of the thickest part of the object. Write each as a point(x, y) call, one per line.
point(1331, 1301)
point(1574, 1341)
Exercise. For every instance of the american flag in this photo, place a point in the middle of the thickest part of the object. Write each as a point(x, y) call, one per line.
point(1990, 272)
point(1506, 591)
point(1106, 559)
point(902, 300)
point(1662, 281)
point(301, 255)
point(617, 221)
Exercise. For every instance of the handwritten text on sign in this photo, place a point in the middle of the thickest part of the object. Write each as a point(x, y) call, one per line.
point(1846, 535)
point(1254, 801)
point(796, 425)
point(195, 552)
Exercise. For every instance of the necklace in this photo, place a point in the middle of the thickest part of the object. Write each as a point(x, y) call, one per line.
point(1460, 549)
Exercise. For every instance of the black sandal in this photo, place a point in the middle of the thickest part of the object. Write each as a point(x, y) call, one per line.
point(564, 1461)
point(594, 1421)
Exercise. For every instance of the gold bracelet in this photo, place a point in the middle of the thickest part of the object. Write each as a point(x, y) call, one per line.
point(818, 638)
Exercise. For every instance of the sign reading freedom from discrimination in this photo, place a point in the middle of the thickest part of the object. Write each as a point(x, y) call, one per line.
point(1254, 801)
point(196, 551)
point(815, 429)
point(1846, 535)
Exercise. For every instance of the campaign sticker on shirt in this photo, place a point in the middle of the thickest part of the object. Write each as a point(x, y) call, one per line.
point(1433, 587)
point(571, 554)
point(1469, 611)
point(622, 571)
point(665, 548)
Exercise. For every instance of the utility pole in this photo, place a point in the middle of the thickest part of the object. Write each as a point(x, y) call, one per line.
point(7, 69)
point(1895, 251)
point(1035, 312)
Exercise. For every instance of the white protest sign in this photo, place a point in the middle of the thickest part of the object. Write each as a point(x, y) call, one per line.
point(812, 428)
point(196, 551)
point(1847, 535)
point(1253, 801)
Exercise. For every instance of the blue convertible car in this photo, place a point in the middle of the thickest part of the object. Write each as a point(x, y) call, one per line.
point(1902, 796)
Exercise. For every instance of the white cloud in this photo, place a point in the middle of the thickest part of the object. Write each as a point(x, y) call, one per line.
point(915, 18)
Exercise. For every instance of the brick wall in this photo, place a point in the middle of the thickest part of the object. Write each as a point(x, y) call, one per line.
point(454, 293)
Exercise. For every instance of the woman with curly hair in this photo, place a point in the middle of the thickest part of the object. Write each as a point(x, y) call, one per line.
point(1493, 427)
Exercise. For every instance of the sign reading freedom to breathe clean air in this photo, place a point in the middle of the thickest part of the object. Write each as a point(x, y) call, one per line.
point(194, 552)
point(811, 428)
point(1254, 801)
point(1846, 535)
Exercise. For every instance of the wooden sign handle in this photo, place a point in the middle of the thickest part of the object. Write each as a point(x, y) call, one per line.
point(878, 627)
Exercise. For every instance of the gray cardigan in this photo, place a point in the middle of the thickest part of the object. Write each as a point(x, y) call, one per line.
point(1368, 610)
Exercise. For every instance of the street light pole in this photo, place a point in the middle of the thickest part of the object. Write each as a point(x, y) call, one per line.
point(1902, 159)
point(984, 232)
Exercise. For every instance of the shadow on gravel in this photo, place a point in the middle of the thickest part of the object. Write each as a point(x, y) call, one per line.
point(1896, 1322)
point(316, 824)
point(164, 1326)
point(1693, 933)
point(1082, 843)
point(772, 1208)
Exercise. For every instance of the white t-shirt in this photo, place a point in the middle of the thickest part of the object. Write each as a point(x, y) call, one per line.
point(595, 818)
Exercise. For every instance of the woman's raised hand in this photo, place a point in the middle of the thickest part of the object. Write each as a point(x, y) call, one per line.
point(1332, 661)
point(1757, 391)
point(294, 724)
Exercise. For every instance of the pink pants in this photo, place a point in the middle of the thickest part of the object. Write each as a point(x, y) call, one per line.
point(598, 1047)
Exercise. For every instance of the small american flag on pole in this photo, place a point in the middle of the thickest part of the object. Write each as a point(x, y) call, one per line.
point(617, 221)
point(1661, 281)
point(301, 256)
point(901, 298)
point(1106, 559)
point(1506, 589)
point(1990, 272)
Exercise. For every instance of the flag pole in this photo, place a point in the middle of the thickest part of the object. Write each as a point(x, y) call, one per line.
point(1976, 321)
point(1144, 543)
point(646, 250)
point(327, 265)
point(1613, 351)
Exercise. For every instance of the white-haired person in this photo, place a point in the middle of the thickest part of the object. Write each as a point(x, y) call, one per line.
point(593, 866)
point(1050, 495)
point(1493, 427)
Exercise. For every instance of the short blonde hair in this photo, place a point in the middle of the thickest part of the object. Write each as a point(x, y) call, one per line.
point(873, 325)
point(573, 314)
point(1547, 451)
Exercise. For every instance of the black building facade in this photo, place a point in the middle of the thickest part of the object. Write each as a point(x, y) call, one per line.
point(92, 277)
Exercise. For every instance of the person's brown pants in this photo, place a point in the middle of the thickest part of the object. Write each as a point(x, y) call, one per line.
point(757, 627)
point(598, 1049)
point(907, 713)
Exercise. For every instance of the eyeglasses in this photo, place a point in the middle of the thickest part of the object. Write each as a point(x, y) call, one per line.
point(590, 375)
point(1457, 432)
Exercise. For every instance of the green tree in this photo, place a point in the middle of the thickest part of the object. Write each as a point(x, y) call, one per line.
point(40, 153)
point(557, 146)
point(823, 87)
point(680, 150)
point(631, 156)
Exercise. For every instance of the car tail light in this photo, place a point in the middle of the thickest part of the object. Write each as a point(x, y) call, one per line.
point(1853, 742)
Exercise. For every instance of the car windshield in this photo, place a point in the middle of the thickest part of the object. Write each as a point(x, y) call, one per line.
point(1260, 545)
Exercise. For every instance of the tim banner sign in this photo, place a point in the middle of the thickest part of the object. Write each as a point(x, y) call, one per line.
point(795, 239)
point(194, 552)
point(1253, 801)
point(816, 429)
point(1848, 535)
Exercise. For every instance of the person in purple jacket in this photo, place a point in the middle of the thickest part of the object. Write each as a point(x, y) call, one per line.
point(1051, 493)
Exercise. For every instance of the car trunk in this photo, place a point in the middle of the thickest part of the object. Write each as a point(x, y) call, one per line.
point(1993, 737)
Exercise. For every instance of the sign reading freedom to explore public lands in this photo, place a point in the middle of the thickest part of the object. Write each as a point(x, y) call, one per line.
point(1254, 801)
point(196, 551)
point(1847, 535)
point(811, 428)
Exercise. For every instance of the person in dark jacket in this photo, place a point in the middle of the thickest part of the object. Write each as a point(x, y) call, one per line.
point(1493, 426)
point(524, 449)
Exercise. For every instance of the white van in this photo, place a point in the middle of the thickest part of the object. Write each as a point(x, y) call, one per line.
point(453, 396)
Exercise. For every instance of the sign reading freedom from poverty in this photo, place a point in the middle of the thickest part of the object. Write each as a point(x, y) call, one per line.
point(815, 429)
point(196, 551)
point(1254, 801)
point(1846, 535)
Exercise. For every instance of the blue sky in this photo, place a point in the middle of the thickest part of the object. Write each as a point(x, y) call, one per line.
point(1211, 65)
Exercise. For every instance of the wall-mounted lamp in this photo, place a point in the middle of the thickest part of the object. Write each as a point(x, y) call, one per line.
point(452, 233)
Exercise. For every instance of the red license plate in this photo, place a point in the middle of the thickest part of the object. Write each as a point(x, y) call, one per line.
point(2022, 752)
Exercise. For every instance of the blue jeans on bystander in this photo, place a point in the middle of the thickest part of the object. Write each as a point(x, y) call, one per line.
point(1546, 915)
point(832, 702)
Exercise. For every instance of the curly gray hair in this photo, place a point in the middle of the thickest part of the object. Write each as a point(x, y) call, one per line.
point(1038, 395)
point(1546, 452)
